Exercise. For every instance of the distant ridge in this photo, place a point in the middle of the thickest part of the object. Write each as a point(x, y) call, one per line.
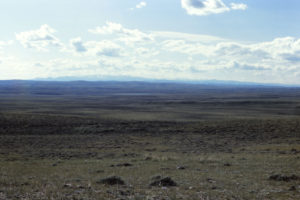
point(94, 88)
point(138, 79)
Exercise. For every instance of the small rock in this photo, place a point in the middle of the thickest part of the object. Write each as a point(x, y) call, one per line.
point(181, 168)
point(164, 182)
point(293, 188)
point(294, 150)
point(80, 187)
point(67, 185)
point(124, 165)
point(148, 158)
point(210, 180)
point(125, 193)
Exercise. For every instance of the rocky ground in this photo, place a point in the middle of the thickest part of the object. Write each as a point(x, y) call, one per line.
point(55, 157)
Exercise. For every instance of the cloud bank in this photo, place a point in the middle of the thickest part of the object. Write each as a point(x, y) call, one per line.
point(117, 50)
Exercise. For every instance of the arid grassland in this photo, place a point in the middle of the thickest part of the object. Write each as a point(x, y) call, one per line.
point(155, 141)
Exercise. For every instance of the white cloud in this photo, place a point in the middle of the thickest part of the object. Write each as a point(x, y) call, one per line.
point(126, 35)
point(104, 48)
point(141, 4)
point(286, 45)
point(279, 54)
point(238, 6)
point(39, 39)
point(204, 7)
point(207, 7)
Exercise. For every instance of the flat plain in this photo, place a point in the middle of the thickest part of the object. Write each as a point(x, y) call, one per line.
point(62, 140)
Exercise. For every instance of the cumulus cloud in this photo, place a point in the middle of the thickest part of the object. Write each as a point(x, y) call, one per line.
point(96, 48)
point(78, 45)
point(238, 6)
point(285, 45)
point(39, 39)
point(105, 48)
point(241, 51)
point(125, 35)
point(141, 4)
point(204, 7)
point(279, 54)
point(207, 7)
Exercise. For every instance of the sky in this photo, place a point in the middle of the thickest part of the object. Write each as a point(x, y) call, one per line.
point(240, 40)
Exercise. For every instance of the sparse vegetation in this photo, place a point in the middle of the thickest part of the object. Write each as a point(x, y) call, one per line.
point(206, 144)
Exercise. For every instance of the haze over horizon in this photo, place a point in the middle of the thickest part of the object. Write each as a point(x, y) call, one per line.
point(238, 40)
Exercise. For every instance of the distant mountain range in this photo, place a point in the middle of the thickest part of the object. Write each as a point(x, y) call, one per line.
point(135, 79)
point(70, 86)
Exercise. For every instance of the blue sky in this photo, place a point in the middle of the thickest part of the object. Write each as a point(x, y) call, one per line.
point(243, 40)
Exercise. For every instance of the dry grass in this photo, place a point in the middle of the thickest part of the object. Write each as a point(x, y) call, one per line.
point(68, 166)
